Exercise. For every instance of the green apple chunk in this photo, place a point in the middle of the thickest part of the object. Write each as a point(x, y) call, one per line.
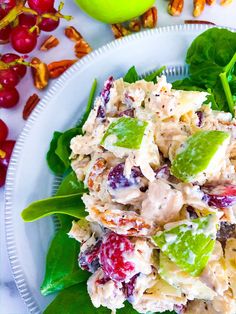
point(114, 11)
point(191, 286)
point(190, 244)
point(125, 132)
point(198, 153)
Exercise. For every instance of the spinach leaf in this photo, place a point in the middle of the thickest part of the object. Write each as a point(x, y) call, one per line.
point(131, 76)
point(59, 151)
point(153, 76)
point(62, 268)
point(71, 185)
point(74, 300)
point(71, 205)
point(63, 150)
point(211, 58)
point(89, 103)
point(186, 84)
point(53, 161)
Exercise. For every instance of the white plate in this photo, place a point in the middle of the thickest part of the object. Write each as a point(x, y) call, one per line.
point(28, 176)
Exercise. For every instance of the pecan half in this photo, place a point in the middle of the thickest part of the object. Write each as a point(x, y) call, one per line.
point(57, 68)
point(198, 22)
point(73, 34)
point(135, 25)
point(30, 105)
point(82, 48)
point(40, 73)
point(198, 7)
point(119, 30)
point(49, 43)
point(210, 2)
point(175, 7)
point(149, 18)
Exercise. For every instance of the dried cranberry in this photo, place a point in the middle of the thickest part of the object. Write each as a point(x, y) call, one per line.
point(127, 112)
point(200, 118)
point(88, 260)
point(226, 231)
point(129, 287)
point(221, 196)
point(179, 308)
point(116, 178)
point(192, 213)
point(105, 96)
point(114, 261)
point(163, 172)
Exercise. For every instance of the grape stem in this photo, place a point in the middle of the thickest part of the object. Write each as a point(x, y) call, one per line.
point(14, 12)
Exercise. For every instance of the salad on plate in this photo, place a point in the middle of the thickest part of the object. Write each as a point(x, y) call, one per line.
point(147, 204)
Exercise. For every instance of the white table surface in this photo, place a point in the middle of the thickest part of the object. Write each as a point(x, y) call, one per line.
point(97, 34)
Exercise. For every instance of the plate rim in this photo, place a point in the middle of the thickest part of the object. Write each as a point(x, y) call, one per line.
point(18, 274)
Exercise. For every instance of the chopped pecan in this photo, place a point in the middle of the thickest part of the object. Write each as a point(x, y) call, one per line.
point(225, 2)
point(59, 67)
point(73, 34)
point(119, 30)
point(175, 7)
point(198, 22)
point(210, 2)
point(198, 7)
point(149, 18)
point(49, 43)
point(135, 25)
point(30, 105)
point(82, 48)
point(40, 73)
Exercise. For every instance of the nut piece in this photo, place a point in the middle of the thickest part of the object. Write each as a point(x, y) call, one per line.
point(175, 7)
point(73, 34)
point(30, 105)
point(119, 30)
point(40, 73)
point(198, 22)
point(59, 67)
point(135, 25)
point(225, 2)
point(149, 18)
point(82, 48)
point(49, 43)
point(210, 2)
point(198, 7)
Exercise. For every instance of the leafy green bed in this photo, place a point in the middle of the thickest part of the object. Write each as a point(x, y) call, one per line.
point(211, 58)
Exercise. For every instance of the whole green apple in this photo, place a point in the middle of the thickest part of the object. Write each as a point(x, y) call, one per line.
point(114, 11)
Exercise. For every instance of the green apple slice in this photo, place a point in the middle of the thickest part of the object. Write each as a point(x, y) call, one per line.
point(191, 286)
point(198, 154)
point(190, 244)
point(125, 132)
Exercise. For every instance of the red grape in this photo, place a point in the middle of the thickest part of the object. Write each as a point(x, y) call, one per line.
point(5, 34)
point(9, 97)
point(3, 173)
point(41, 6)
point(49, 25)
point(8, 78)
point(20, 69)
point(7, 148)
point(6, 6)
point(3, 130)
point(27, 20)
point(22, 40)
